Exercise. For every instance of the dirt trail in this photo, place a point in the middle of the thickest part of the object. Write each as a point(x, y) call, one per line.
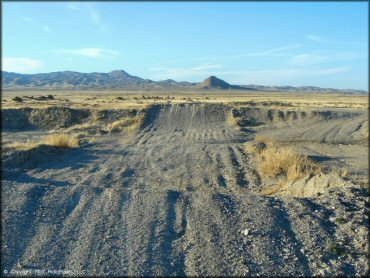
point(172, 200)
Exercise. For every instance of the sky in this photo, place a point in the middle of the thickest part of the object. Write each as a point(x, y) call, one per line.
point(321, 44)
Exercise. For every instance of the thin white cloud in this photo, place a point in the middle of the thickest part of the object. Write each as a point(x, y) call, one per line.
point(279, 76)
point(72, 6)
point(91, 11)
point(329, 71)
point(89, 52)
point(34, 23)
point(288, 72)
point(333, 42)
point(320, 57)
point(21, 64)
point(243, 77)
point(205, 67)
point(307, 59)
point(316, 39)
point(280, 51)
point(347, 56)
point(27, 19)
point(203, 70)
point(94, 14)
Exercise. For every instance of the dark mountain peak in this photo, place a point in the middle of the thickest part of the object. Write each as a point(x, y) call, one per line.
point(213, 82)
point(212, 77)
point(119, 74)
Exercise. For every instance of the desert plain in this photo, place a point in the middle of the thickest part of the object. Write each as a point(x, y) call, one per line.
point(208, 183)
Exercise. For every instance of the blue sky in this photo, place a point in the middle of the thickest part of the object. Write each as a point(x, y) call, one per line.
point(285, 43)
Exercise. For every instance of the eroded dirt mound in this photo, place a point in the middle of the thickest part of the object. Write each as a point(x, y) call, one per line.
point(310, 186)
point(108, 116)
point(185, 116)
point(27, 119)
point(54, 117)
point(352, 130)
point(260, 116)
point(29, 158)
point(333, 127)
point(16, 119)
point(46, 118)
point(111, 121)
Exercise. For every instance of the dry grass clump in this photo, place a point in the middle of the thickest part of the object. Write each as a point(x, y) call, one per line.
point(126, 124)
point(261, 139)
point(344, 172)
point(250, 148)
point(231, 121)
point(61, 140)
point(22, 146)
point(273, 162)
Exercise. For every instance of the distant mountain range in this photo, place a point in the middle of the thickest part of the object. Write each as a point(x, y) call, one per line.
point(121, 80)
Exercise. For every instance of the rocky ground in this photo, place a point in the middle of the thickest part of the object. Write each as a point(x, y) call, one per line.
point(181, 197)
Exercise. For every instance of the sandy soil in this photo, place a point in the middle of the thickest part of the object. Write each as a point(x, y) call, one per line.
point(177, 196)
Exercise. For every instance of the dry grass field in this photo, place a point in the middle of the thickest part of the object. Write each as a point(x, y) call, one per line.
point(175, 183)
point(133, 99)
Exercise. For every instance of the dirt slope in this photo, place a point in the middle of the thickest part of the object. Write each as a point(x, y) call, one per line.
point(175, 199)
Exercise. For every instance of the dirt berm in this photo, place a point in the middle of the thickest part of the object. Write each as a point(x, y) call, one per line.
point(180, 197)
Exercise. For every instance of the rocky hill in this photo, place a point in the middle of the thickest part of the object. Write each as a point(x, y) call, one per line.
point(121, 80)
point(213, 82)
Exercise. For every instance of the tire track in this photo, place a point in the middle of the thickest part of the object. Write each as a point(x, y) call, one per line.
point(240, 175)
